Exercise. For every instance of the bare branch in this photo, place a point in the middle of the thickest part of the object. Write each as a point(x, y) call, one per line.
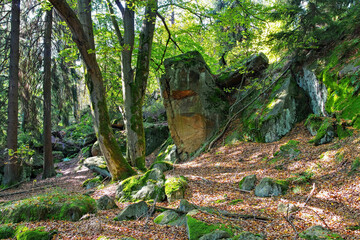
point(168, 30)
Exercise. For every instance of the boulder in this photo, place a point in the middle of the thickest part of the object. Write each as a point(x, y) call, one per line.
point(322, 128)
point(142, 187)
point(248, 183)
point(269, 188)
point(288, 150)
point(197, 229)
point(105, 203)
point(34, 234)
point(175, 188)
point(319, 233)
point(253, 67)
point(95, 149)
point(98, 165)
point(185, 206)
point(133, 211)
point(215, 235)
point(289, 105)
point(162, 166)
point(155, 136)
point(194, 104)
point(170, 218)
point(316, 90)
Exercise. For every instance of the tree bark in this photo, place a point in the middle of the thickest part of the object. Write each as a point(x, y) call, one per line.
point(116, 163)
point(12, 170)
point(48, 169)
point(134, 87)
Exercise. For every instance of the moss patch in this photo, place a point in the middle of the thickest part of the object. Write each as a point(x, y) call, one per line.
point(24, 233)
point(55, 205)
point(175, 184)
point(196, 228)
point(6, 232)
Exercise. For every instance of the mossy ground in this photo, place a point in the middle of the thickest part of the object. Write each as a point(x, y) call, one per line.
point(54, 205)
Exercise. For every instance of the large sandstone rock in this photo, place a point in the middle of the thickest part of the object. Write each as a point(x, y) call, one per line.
point(193, 103)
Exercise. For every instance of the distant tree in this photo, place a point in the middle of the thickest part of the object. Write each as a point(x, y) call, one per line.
point(12, 170)
point(48, 170)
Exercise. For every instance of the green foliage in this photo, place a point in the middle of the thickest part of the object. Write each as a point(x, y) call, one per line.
point(302, 177)
point(53, 205)
point(6, 232)
point(236, 201)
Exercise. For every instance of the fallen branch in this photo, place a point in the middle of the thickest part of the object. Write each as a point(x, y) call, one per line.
point(310, 194)
point(12, 186)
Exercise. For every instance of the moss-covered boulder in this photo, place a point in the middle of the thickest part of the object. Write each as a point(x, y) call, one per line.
point(195, 106)
point(322, 128)
point(216, 235)
point(105, 203)
point(95, 149)
point(196, 228)
point(162, 165)
point(170, 218)
point(55, 205)
point(133, 211)
point(248, 183)
point(6, 232)
point(92, 182)
point(269, 187)
point(288, 150)
point(319, 233)
point(142, 187)
point(175, 188)
point(23, 233)
point(98, 165)
point(267, 119)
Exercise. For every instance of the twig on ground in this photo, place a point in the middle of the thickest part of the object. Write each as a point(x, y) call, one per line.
point(12, 186)
point(310, 194)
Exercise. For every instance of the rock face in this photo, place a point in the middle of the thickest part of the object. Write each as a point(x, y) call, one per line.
point(98, 165)
point(105, 203)
point(193, 103)
point(315, 89)
point(289, 106)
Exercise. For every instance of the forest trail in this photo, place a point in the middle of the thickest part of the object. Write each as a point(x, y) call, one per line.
point(213, 182)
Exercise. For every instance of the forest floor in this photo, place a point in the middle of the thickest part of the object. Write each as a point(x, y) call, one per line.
point(331, 197)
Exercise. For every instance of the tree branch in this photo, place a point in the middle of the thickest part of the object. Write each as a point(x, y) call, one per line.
point(168, 31)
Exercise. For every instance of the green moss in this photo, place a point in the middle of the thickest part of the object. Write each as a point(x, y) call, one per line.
point(34, 234)
point(284, 184)
point(326, 126)
point(236, 201)
point(175, 184)
point(97, 179)
point(6, 232)
point(53, 205)
point(158, 219)
point(197, 228)
point(290, 145)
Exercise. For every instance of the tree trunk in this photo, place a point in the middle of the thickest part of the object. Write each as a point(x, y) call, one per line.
point(12, 170)
point(134, 89)
point(48, 170)
point(116, 163)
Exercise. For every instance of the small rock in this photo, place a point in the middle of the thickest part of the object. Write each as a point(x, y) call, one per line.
point(105, 203)
point(248, 183)
point(185, 206)
point(133, 211)
point(287, 208)
point(269, 188)
point(248, 236)
point(319, 233)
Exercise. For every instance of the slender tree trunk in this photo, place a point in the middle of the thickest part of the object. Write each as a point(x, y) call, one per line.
point(12, 170)
point(116, 163)
point(134, 87)
point(48, 170)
